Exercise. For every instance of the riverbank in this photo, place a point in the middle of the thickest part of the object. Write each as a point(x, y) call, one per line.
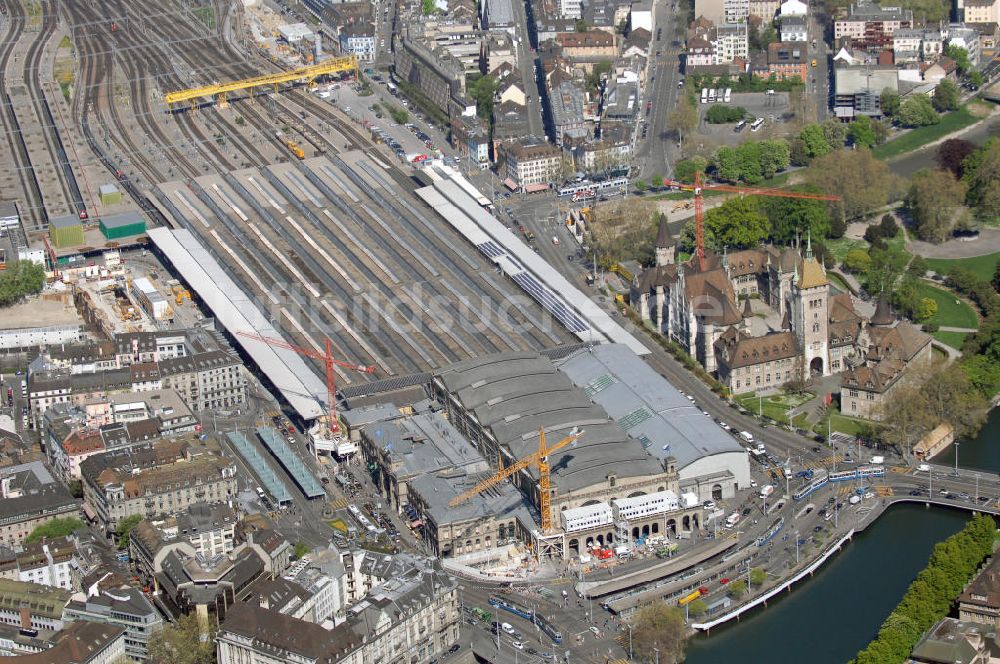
point(848, 597)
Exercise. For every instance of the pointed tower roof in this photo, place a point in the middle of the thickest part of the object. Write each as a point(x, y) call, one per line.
point(883, 314)
point(747, 311)
point(786, 320)
point(663, 238)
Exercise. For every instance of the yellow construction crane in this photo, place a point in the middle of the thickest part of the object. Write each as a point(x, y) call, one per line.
point(220, 90)
point(540, 459)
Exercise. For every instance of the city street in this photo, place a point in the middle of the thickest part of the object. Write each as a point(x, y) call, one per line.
point(657, 153)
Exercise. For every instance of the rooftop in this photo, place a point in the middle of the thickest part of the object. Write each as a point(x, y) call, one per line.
point(646, 405)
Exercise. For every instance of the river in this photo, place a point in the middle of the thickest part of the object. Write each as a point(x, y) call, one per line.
point(827, 619)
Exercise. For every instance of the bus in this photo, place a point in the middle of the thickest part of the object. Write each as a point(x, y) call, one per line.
point(757, 124)
point(711, 95)
point(704, 95)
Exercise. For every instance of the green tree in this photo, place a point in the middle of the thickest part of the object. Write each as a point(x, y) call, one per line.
point(881, 130)
point(758, 576)
point(890, 102)
point(918, 111)
point(697, 608)
point(55, 528)
point(483, 90)
point(976, 78)
point(946, 96)
point(428, 7)
point(76, 488)
point(640, 185)
point(581, 25)
point(301, 549)
point(933, 200)
point(124, 529)
point(835, 133)
point(861, 132)
point(684, 117)
point(722, 114)
point(927, 308)
point(738, 588)
point(736, 223)
point(996, 277)
point(19, 279)
point(863, 182)
point(814, 140)
point(659, 628)
point(857, 261)
point(686, 168)
point(960, 56)
point(182, 643)
point(796, 217)
point(887, 268)
point(918, 267)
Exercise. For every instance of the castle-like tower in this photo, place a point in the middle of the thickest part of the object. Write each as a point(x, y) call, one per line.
point(810, 307)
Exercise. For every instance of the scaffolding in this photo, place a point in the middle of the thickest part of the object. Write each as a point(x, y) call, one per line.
point(309, 74)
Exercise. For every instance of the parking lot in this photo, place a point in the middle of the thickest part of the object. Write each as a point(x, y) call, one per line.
point(414, 137)
point(773, 108)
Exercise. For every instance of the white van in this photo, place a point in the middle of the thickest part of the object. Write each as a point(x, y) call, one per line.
point(507, 627)
point(757, 124)
point(878, 460)
point(728, 95)
point(704, 95)
point(924, 468)
point(555, 240)
point(711, 95)
point(747, 436)
point(767, 491)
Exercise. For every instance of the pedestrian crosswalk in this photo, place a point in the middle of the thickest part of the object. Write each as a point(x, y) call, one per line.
point(883, 490)
point(338, 504)
point(618, 661)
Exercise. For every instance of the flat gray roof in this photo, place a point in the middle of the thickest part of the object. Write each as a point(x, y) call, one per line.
point(513, 395)
point(122, 219)
point(290, 461)
point(237, 312)
point(274, 486)
point(646, 405)
point(501, 501)
point(567, 303)
point(425, 443)
point(67, 221)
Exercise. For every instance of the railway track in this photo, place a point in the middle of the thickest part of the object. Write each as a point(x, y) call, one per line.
point(33, 208)
point(32, 68)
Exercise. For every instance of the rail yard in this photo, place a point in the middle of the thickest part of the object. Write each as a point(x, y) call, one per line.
point(333, 242)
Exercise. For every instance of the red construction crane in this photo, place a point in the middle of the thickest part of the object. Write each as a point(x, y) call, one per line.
point(698, 188)
point(329, 362)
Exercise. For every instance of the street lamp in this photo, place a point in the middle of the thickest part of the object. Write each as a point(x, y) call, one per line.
point(956, 458)
point(629, 640)
point(796, 547)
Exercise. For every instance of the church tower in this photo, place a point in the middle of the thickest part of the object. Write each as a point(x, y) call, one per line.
point(810, 314)
point(666, 248)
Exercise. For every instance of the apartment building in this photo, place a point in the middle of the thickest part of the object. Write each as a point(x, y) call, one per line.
point(206, 381)
point(148, 482)
point(412, 618)
point(531, 165)
point(871, 26)
point(30, 497)
point(124, 607)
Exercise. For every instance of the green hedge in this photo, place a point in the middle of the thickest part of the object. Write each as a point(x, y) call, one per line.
point(930, 596)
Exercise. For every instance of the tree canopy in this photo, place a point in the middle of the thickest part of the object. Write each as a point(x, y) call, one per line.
point(659, 628)
point(21, 278)
point(934, 201)
point(124, 529)
point(736, 223)
point(918, 111)
point(752, 162)
point(182, 643)
point(946, 96)
point(863, 182)
point(952, 153)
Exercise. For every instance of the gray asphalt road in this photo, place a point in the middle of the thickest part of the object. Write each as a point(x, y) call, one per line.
point(658, 151)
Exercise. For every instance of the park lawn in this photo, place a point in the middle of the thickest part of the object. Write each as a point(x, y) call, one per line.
point(838, 281)
point(842, 245)
point(983, 266)
point(841, 423)
point(953, 339)
point(775, 406)
point(921, 136)
point(952, 312)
